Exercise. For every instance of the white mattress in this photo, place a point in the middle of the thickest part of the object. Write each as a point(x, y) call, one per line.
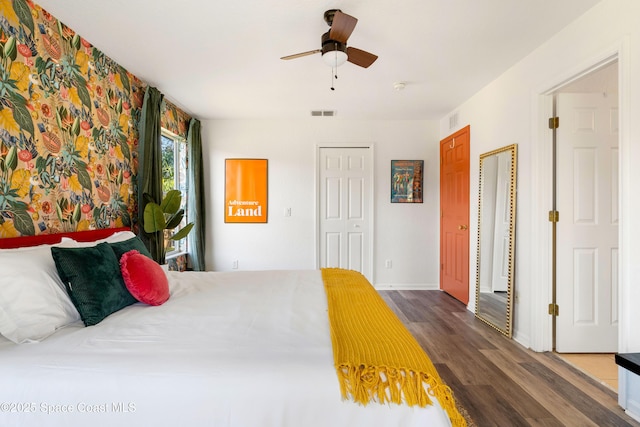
point(236, 349)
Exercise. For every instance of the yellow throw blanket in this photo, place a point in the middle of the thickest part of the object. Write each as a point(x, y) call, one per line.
point(376, 357)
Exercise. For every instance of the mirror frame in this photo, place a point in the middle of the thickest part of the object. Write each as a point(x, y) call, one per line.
point(507, 330)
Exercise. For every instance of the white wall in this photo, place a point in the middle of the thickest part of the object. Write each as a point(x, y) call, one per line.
point(510, 110)
point(407, 234)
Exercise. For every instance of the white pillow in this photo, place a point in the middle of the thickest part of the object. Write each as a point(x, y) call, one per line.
point(119, 236)
point(33, 300)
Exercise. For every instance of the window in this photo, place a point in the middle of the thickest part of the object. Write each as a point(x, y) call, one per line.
point(174, 176)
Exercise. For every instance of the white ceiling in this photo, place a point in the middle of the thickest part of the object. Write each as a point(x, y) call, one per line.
point(220, 59)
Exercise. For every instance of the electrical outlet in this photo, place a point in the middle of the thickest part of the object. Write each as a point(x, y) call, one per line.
point(387, 264)
point(235, 264)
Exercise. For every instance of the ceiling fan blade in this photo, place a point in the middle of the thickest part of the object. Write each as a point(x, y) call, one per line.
point(300, 55)
point(342, 27)
point(360, 57)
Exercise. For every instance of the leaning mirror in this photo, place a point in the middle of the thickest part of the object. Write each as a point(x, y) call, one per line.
point(496, 238)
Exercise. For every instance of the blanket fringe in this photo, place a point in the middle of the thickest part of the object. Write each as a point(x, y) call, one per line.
point(365, 384)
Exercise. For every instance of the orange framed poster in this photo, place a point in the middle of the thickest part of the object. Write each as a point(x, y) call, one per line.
point(245, 194)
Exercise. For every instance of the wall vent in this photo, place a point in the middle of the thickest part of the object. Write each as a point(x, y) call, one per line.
point(323, 113)
point(453, 121)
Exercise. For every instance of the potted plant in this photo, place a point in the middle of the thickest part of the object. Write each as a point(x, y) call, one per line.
point(165, 217)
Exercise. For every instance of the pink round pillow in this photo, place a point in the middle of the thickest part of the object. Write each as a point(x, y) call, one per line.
point(144, 278)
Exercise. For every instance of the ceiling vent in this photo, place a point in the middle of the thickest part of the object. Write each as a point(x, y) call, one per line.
point(323, 113)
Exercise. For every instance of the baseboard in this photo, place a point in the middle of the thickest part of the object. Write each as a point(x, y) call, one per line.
point(407, 286)
point(522, 339)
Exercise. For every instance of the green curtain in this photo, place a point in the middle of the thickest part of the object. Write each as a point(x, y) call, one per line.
point(195, 198)
point(150, 167)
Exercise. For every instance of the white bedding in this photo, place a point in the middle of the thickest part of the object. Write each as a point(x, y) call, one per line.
point(237, 349)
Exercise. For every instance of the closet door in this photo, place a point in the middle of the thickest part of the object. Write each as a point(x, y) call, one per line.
point(454, 215)
point(345, 175)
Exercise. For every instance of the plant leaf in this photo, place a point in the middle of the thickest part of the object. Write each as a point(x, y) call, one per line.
point(84, 179)
point(147, 198)
point(22, 222)
point(11, 160)
point(171, 202)
point(125, 80)
point(24, 13)
point(22, 117)
point(153, 218)
point(183, 232)
point(76, 213)
point(75, 41)
point(83, 92)
point(126, 219)
point(10, 50)
point(58, 119)
point(16, 98)
point(75, 128)
point(125, 149)
point(175, 220)
point(58, 211)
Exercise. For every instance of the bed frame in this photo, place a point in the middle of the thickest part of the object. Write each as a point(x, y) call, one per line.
point(41, 239)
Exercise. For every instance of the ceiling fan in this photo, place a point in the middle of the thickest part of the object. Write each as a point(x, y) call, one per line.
point(334, 43)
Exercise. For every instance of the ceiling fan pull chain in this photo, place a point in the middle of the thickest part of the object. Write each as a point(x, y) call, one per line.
point(334, 71)
point(336, 53)
point(334, 75)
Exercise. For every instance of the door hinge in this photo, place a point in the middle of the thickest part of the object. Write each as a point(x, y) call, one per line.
point(554, 122)
point(554, 216)
point(554, 309)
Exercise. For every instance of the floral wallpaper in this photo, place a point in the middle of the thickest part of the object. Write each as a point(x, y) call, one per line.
point(68, 128)
point(174, 120)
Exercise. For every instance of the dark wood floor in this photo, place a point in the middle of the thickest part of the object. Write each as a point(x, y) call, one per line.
point(498, 381)
point(494, 308)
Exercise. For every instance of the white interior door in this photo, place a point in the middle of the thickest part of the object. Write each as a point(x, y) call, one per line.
point(345, 176)
point(488, 221)
point(500, 282)
point(587, 236)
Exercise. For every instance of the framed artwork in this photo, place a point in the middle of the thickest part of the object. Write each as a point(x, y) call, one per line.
point(406, 181)
point(245, 191)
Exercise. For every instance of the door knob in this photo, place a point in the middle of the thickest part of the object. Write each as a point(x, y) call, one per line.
point(462, 227)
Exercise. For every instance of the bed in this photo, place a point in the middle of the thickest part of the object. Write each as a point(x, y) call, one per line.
point(226, 349)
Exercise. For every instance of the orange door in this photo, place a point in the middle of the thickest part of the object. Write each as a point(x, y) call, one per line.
point(454, 215)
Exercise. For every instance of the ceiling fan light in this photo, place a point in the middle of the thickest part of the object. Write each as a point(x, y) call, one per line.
point(334, 58)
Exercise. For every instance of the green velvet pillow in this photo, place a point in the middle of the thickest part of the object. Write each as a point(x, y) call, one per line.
point(93, 280)
point(121, 248)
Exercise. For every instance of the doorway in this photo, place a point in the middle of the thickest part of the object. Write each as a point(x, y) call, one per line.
point(345, 208)
point(587, 177)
